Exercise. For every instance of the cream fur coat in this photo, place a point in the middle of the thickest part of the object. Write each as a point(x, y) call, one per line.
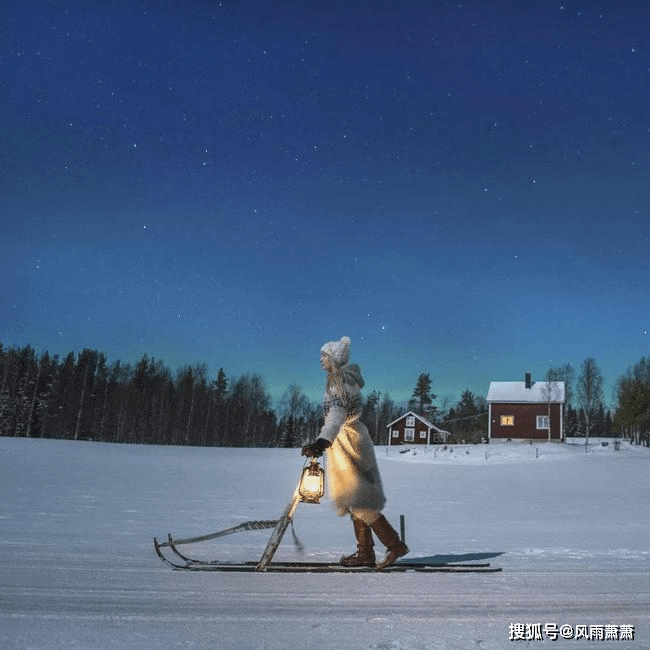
point(353, 478)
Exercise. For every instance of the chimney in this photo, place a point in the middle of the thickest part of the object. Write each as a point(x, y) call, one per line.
point(528, 380)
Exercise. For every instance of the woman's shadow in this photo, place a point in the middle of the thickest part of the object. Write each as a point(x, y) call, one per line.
point(442, 560)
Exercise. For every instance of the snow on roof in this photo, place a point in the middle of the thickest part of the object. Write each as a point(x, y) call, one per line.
point(516, 391)
point(419, 417)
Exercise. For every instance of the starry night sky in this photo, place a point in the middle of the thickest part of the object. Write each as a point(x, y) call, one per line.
point(462, 188)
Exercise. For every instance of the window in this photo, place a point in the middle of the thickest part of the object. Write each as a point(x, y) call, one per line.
point(507, 420)
point(543, 422)
point(410, 421)
point(423, 435)
point(395, 433)
point(409, 434)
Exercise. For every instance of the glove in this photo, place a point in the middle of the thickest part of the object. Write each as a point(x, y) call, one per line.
point(316, 449)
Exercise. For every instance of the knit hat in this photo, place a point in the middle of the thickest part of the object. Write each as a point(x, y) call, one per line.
point(338, 351)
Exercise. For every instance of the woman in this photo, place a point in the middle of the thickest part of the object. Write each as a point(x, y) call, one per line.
point(352, 472)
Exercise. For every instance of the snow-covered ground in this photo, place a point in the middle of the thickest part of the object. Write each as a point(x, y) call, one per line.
point(570, 529)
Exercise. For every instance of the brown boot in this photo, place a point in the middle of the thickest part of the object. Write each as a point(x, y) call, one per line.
point(365, 555)
point(388, 536)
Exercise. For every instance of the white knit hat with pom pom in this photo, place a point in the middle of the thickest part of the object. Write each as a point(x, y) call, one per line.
point(338, 351)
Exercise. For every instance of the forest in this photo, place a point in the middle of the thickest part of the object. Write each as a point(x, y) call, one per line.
point(83, 397)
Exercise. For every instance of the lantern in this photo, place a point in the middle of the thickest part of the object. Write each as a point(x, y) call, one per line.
point(312, 483)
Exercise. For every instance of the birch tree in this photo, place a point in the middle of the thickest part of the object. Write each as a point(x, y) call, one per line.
point(589, 393)
point(293, 405)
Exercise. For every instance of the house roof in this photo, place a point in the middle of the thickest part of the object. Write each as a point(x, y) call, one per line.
point(516, 392)
point(419, 417)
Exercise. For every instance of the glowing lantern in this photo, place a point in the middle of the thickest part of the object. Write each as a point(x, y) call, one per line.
point(312, 483)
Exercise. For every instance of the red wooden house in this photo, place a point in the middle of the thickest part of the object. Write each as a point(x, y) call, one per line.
point(526, 410)
point(413, 429)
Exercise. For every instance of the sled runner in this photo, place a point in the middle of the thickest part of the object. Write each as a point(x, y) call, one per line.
point(181, 562)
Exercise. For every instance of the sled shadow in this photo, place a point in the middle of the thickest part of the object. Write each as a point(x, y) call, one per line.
point(452, 559)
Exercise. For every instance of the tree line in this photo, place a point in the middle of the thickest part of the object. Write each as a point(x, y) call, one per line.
point(633, 412)
point(83, 397)
point(588, 416)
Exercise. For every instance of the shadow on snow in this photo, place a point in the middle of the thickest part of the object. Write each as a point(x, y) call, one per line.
point(452, 559)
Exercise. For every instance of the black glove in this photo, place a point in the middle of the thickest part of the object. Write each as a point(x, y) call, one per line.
point(316, 449)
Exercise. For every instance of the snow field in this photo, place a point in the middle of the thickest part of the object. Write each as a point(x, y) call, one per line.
point(570, 529)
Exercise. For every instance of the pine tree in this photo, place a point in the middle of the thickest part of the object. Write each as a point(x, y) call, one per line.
point(422, 398)
point(220, 417)
point(370, 414)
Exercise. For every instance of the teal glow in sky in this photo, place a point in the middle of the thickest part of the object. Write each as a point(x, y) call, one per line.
point(461, 188)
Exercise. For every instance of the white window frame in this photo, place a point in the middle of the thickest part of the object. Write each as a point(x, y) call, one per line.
point(410, 421)
point(409, 434)
point(543, 422)
point(423, 435)
point(394, 433)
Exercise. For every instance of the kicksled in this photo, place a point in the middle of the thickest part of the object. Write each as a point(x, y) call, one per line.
point(310, 489)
